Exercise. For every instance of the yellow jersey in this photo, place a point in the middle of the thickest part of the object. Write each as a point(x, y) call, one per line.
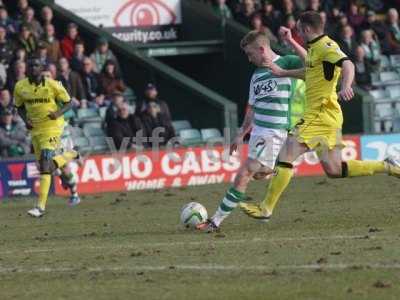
point(323, 67)
point(39, 100)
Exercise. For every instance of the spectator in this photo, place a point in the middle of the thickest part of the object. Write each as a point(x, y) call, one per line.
point(101, 54)
point(77, 58)
point(6, 48)
point(221, 9)
point(5, 100)
point(247, 10)
point(362, 69)
point(14, 139)
point(340, 22)
point(22, 5)
point(153, 120)
point(393, 31)
point(347, 41)
point(6, 21)
point(42, 54)
point(20, 55)
point(374, 24)
point(52, 69)
point(289, 8)
point(68, 42)
point(26, 40)
point(46, 15)
point(151, 95)
point(30, 20)
point(110, 79)
point(314, 5)
point(256, 24)
point(125, 125)
point(90, 81)
point(271, 18)
point(355, 18)
point(52, 44)
point(17, 73)
point(111, 113)
point(71, 81)
point(372, 50)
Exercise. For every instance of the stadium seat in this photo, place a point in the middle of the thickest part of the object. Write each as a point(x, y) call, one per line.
point(86, 115)
point(76, 131)
point(384, 110)
point(98, 143)
point(180, 125)
point(375, 80)
point(211, 135)
point(102, 112)
point(129, 95)
point(395, 61)
point(379, 95)
point(389, 77)
point(91, 131)
point(385, 63)
point(190, 137)
point(82, 143)
point(393, 92)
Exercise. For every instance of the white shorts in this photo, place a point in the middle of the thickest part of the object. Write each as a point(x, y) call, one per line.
point(265, 148)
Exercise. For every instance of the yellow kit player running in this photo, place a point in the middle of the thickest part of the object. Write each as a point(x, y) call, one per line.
point(320, 128)
point(36, 99)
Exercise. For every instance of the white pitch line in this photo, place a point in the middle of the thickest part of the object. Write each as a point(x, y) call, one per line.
point(221, 268)
point(197, 243)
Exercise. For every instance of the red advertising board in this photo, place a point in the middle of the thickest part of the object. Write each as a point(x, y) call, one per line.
point(177, 168)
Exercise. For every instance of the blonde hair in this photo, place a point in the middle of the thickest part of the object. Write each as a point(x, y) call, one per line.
point(254, 36)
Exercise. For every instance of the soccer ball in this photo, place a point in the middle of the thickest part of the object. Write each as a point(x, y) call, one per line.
point(192, 214)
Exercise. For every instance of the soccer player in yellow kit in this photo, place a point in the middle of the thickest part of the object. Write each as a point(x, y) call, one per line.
point(37, 99)
point(321, 126)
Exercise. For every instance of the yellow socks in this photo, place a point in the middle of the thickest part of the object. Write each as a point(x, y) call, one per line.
point(45, 182)
point(278, 183)
point(62, 159)
point(356, 168)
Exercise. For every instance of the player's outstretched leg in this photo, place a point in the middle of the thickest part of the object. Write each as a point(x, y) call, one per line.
point(68, 182)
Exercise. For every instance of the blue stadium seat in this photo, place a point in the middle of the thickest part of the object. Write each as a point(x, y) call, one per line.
point(190, 137)
point(86, 115)
point(99, 143)
point(91, 131)
point(395, 60)
point(389, 77)
point(180, 125)
point(82, 143)
point(211, 135)
point(102, 112)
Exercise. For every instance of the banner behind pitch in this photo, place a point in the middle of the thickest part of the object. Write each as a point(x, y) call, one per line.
point(138, 21)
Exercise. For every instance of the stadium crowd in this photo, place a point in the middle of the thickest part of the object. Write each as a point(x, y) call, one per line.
point(93, 80)
point(364, 29)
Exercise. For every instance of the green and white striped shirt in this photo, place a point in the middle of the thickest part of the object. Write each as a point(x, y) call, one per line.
point(270, 95)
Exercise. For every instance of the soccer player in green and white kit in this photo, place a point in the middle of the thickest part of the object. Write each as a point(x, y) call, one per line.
point(268, 118)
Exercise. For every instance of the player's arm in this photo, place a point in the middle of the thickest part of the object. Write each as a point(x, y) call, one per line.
point(22, 112)
point(62, 97)
point(19, 104)
point(278, 71)
point(286, 35)
point(65, 106)
point(244, 129)
point(346, 91)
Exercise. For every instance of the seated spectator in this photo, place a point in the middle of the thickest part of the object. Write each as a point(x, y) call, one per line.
point(78, 56)
point(46, 15)
point(67, 44)
point(153, 120)
point(52, 69)
point(71, 81)
point(14, 139)
point(5, 100)
point(151, 95)
point(289, 8)
point(52, 44)
point(111, 113)
point(22, 5)
point(5, 21)
point(271, 18)
point(314, 5)
point(247, 10)
point(30, 20)
point(124, 126)
point(18, 72)
point(372, 50)
point(347, 41)
point(393, 31)
point(42, 54)
point(6, 48)
point(374, 24)
point(110, 79)
point(256, 24)
point(221, 9)
point(101, 54)
point(340, 22)
point(90, 81)
point(362, 69)
point(356, 19)
point(26, 40)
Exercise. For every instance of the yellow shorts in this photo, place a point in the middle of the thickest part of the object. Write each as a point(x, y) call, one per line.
point(322, 132)
point(49, 140)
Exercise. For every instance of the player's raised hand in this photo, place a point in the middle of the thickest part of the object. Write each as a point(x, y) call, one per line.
point(346, 94)
point(285, 33)
point(53, 115)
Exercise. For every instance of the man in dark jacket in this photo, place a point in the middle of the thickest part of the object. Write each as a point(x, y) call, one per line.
point(151, 94)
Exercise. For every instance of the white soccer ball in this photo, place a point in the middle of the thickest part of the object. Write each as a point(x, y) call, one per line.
point(192, 214)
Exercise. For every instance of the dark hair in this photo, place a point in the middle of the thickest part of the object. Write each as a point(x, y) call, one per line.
point(312, 19)
point(117, 74)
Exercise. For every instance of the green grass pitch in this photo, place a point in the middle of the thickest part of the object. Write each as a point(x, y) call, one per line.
point(329, 239)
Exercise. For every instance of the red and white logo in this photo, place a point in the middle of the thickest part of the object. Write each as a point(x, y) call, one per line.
point(141, 13)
